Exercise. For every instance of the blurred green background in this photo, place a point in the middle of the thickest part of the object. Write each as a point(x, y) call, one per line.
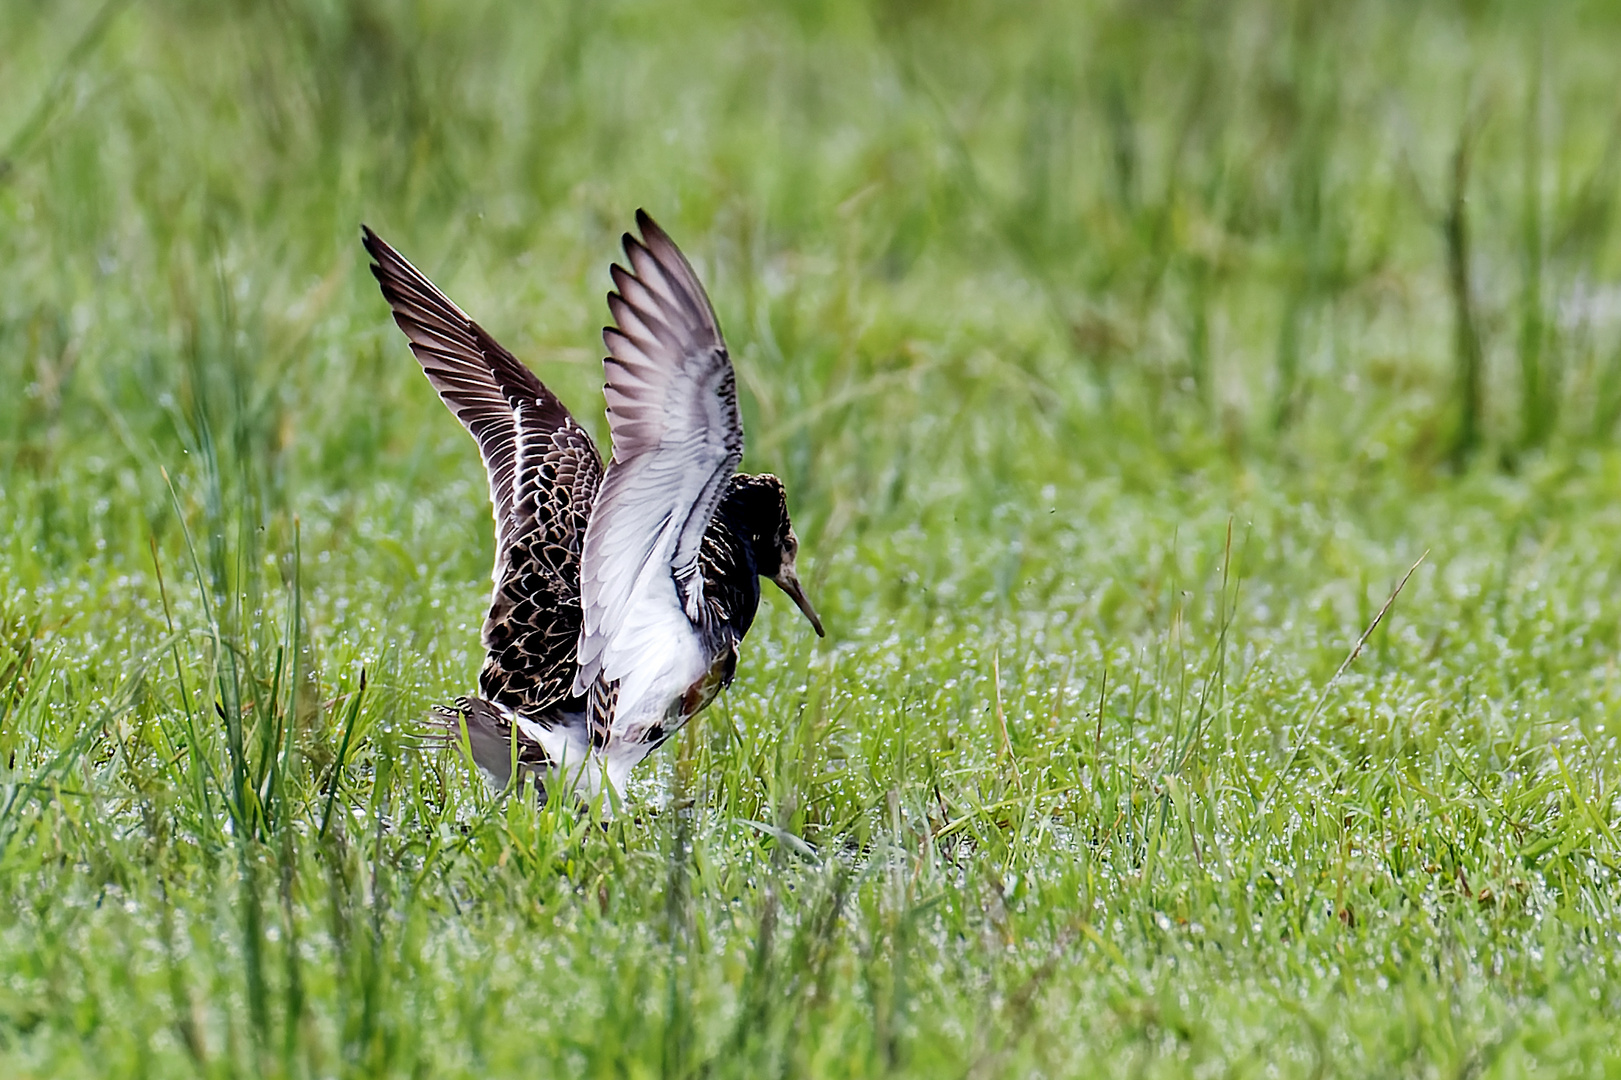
point(1120, 359)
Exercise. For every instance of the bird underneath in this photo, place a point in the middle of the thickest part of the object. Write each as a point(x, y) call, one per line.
point(621, 593)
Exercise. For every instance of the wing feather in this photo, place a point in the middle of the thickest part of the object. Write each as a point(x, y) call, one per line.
point(543, 473)
point(677, 438)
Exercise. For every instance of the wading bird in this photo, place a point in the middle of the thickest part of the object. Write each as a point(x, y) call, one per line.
point(621, 594)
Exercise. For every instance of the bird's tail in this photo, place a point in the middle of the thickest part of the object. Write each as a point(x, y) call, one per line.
point(497, 744)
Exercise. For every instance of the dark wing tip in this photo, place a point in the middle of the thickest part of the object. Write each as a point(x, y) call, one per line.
point(653, 236)
point(387, 265)
point(631, 244)
point(374, 244)
point(656, 241)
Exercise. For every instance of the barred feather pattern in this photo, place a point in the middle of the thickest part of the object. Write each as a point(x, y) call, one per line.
point(544, 472)
point(490, 737)
point(533, 624)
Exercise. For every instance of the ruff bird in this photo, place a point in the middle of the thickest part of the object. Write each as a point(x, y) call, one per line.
point(621, 594)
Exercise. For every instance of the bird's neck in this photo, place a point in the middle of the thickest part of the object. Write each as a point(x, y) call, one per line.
point(731, 574)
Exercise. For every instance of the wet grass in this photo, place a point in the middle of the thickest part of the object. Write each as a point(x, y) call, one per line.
point(1120, 359)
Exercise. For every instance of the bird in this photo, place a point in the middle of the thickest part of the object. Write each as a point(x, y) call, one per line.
point(621, 592)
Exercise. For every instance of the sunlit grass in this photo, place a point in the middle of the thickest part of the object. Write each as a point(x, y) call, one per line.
point(1120, 362)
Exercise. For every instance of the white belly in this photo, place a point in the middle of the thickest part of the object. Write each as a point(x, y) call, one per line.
point(663, 657)
point(658, 655)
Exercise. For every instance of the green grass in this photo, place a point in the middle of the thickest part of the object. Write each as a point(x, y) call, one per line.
point(1120, 360)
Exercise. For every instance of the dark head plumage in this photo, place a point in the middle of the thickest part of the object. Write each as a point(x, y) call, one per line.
point(756, 507)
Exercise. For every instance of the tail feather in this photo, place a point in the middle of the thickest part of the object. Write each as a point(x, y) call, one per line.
point(493, 738)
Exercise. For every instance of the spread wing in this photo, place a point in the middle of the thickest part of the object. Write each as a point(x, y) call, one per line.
point(543, 472)
point(677, 437)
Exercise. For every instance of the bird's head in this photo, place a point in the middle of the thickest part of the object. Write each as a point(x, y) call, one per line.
point(763, 503)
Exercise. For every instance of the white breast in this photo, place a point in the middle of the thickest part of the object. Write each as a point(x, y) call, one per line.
point(659, 655)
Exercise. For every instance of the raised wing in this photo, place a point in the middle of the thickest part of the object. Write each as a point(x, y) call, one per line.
point(543, 471)
point(677, 437)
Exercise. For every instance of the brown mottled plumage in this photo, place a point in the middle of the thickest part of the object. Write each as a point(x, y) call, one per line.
point(543, 470)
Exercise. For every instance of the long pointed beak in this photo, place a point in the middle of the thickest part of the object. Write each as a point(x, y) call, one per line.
point(788, 582)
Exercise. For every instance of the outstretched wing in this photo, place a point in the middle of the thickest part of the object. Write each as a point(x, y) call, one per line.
point(543, 471)
point(677, 437)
